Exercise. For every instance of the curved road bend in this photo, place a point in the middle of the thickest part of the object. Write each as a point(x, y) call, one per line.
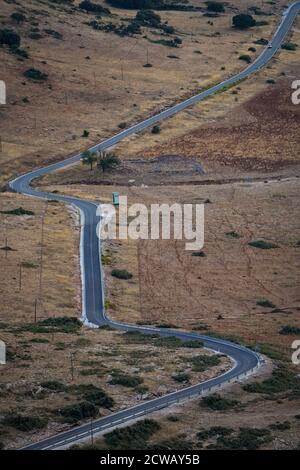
point(244, 360)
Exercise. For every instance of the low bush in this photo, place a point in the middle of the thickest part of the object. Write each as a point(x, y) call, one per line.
point(282, 380)
point(79, 411)
point(126, 380)
point(91, 7)
point(214, 431)
point(245, 58)
point(290, 330)
point(284, 426)
point(54, 386)
point(132, 437)
point(201, 363)
point(262, 244)
point(121, 274)
point(18, 211)
point(35, 74)
point(24, 423)
point(52, 325)
point(10, 38)
point(232, 234)
point(247, 439)
point(265, 303)
point(289, 46)
point(182, 377)
point(218, 403)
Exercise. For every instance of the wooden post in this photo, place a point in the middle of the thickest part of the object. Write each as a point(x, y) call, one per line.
point(20, 276)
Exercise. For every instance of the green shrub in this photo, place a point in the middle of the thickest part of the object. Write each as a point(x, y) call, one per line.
point(262, 244)
point(265, 303)
point(290, 330)
point(10, 38)
point(54, 325)
point(182, 377)
point(132, 437)
point(126, 380)
point(261, 42)
point(214, 431)
point(18, 211)
point(200, 254)
point(121, 274)
point(289, 46)
point(122, 125)
point(201, 363)
point(79, 411)
point(24, 423)
point(247, 439)
point(18, 17)
point(232, 234)
point(35, 74)
point(218, 403)
point(155, 130)
point(281, 380)
point(91, 7)
point(54, 386)
point(85, 133)
point(216, 7)
point(243, 21)
point(245, 58)
point(284, 426)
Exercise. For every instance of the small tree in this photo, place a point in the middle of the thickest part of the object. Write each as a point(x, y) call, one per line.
point(88, 158)
point(216, 7)
point(107, 161)
point(18, 17)
point(243, 21)
point(8, 37)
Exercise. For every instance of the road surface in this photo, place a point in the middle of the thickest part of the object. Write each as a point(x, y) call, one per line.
point(244, 360)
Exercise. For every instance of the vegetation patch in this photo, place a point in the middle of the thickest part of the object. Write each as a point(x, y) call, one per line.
point(262, 244)
point(247, 439)
point(290, 330)
point(201, 363)
point(126, 380)
point(282, 380)
point(265, 303)
point(218, 403)
point(17, 211)
point(52, 325)
point(35, 74)
point(121, 274)
point(24, 423)
point(132, 437)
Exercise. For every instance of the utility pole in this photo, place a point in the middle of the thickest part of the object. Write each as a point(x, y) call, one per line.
point(0, 143)
point(122, 72)
point(95, 80)
point(20, 276)
point(41, 252)
point(72, 358)
point(147, 62)
point(6, 246)
point(35, 309)
point(66, 98)
point(92, 433)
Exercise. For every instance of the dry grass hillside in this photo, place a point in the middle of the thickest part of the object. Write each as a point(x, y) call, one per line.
point(96, 80)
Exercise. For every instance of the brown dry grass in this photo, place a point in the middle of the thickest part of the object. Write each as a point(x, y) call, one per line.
point(90, 93)
point(60, 286)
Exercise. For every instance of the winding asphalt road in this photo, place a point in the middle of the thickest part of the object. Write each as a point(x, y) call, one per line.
point(244, 360)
